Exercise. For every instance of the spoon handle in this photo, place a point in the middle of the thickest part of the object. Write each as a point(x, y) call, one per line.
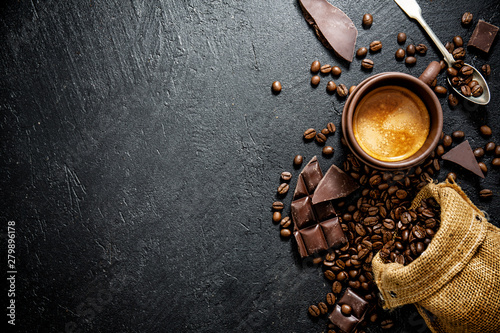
point(412, 9)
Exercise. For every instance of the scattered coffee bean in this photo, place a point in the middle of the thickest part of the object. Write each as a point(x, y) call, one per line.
point(276, 217)
point(367, 20)
point(410, 50)
point(449, 47)
point(346, 309)
point(315, 66)
point(421, 49)
point(496, 161)
point(458, 41)
point(439, 150)
point(336, 287)
point(478, 152)
point(314, 311)
point(483, 167)
point(401, 38)
point(323, 308)
point(325, 131)
point(466, 71)
point(443, 64)
point(283, 189)
point(361, 52)
point(497, 150)
point(315, 80)
point(376, 46)
point(466, 91)
point(331, 127)
point(342, 90)
point(452, 100)
point(309, 134)
point(459, 63)
point(327, 150)
point(331, 87)
point(331, 299)
point(410, 61)
point(486, 70)
point(285, 233)
point(447, 141)
point(387, 324)
point(458, 53)
point(367, 63)
point(485, 130)
point(298, 159)
point(458, 135)
point(278, 206)
point(490, 147)
point(451, 71)
point(320, 138)
point(325, 69)
point(476, 90)
point(400, 54)
point(286, 222)
point(286, 176)
point(485, 193)
point(276, 87)
point(336, 71)
point(351, 89)
point(440, 90)
point(467, 18)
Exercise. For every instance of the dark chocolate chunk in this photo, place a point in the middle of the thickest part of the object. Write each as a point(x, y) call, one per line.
point(463, 156)
point(335, 184)
point(358, 304)
point(345, 323)
point(359, 307)
point(333, 27)
point(483, 36)
point(334, 234)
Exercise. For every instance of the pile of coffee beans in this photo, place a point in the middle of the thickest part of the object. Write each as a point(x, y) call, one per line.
point(414, 232)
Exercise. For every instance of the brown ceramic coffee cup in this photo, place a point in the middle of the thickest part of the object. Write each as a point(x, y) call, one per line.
point(414, 85)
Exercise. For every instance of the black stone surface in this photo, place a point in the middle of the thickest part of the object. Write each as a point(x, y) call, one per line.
point(141, 149)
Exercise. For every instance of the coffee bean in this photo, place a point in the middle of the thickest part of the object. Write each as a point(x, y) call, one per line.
point(327, 150)
point(476, 90)
point(455, 81)
point(458, 41)
point(276, 217)
point(297, 160)
point(278, 206)
point(367, 63)
point(467, 18)
point(401, 38)
point(486, 70)
point(410, 50)
point(341, 276)
point(387, 324)
point(331, 87)
point(314, 311)
point(276, 87)
point(351, 89)
point(452, 71)
point(485, 193)
point(452, 100)
point(483, 167)
point(478, 152)
point(342, 90)
point(285, 222)
point(466, 70)
point(421, 49)
point(283, 189)
point(443, 64)
point(410, 61)
point(361, 52)
point(400, 54)
point(440, 90)
point(315, 66)
point(325, 69)
point(496, 161)
point(323, 308)
point(331, 127)
point(458, 53)
point(449, 46)
point(346, 309)
point(367, 20)
point(466, 91)
point(490, 147)
point(375, 46)
point(325, 131)
point(309, 134)
point(315, 80)
point(472, 83)
point(286, 176)
point(336, 71)
point(285, 233)
point(331, 299)
point(336, 287)
point(320, 138)
point(485, 130)
point(497, 150)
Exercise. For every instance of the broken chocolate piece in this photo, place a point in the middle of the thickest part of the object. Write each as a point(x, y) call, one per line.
point(360, 307)
point(483, 36)
point(333, 27)
point(335, 184)
point(463, 156)
point(345, 323)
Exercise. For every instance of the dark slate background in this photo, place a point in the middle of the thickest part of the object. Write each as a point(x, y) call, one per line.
point(141, 148)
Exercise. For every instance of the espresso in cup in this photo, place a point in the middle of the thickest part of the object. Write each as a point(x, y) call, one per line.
point(391, 123)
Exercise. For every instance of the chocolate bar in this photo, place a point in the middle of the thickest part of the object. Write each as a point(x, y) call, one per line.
point(360, 307)
point(463, 156)
point(483, 36)
point(316, 226)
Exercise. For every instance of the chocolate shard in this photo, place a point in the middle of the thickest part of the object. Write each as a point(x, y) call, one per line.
point(483, 36)
point(463, 156)
point(360, 307)
point(333, 27)
point(335, 184)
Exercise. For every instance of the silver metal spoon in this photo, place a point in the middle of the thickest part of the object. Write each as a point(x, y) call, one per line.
point(413, 10)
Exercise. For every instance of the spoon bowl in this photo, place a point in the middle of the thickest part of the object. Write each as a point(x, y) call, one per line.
point(485, 96)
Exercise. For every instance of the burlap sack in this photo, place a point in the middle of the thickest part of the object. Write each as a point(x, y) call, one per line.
point(455, 283)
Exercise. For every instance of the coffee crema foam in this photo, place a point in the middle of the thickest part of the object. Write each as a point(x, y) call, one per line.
point(391, 123)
